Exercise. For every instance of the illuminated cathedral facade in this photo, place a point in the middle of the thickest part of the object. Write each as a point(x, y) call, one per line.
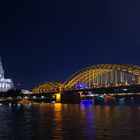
point(5, 84)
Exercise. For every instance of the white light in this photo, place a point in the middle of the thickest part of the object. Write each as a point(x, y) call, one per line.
point(34, 97)
point(125, 89)
point(42, 96)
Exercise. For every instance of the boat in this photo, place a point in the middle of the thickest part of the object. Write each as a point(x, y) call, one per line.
point(109, 98)
point(24, 101)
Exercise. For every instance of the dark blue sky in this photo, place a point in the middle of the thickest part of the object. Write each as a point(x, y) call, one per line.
point(49, 40)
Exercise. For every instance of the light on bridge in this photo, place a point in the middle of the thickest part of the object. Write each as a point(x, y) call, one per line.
point(34, 97)
point(42, 97)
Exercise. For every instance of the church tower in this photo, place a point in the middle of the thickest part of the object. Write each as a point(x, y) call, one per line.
point(5, 84)
point(1, 70)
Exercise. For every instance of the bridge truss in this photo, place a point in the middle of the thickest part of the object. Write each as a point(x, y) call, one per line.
point(47, 87)
point(102, 75)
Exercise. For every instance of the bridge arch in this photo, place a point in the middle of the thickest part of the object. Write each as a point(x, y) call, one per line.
point(104, 75)
point(47, 87)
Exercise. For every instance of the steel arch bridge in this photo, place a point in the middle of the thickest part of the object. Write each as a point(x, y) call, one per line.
point(101, 75)
point(104, 75)
point(47, 87)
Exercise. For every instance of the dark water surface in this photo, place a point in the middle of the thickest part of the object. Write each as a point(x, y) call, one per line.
point(70, 122)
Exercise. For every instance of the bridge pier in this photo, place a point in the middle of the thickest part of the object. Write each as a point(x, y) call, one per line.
point(58, 97)
point(68, 97)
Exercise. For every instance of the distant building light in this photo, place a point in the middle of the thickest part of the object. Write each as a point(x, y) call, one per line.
point(125, 89)
point(24, 91)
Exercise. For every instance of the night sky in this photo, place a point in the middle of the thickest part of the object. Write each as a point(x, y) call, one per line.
point(49, 40)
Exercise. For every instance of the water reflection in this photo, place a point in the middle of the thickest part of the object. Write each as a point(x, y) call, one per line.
point(58, 124)
point(89, 120)
point(70, 121)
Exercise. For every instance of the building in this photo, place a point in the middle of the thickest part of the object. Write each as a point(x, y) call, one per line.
point(25, 91)
point(5, 84)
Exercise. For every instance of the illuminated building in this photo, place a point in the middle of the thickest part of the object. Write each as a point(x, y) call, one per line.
point(5, 84)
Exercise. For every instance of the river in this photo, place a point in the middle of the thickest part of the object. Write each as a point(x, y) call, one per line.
point(84, 121)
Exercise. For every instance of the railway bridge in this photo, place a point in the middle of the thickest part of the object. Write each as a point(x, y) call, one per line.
point(96, 79)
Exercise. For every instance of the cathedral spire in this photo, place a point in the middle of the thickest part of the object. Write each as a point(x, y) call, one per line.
point(5, 84)
point(1, 69)
point(0, 59)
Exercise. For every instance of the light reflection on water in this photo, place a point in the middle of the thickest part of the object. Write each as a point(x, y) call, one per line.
point(84, 121)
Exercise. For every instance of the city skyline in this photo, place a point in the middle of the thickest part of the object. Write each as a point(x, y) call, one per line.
point(49, 41)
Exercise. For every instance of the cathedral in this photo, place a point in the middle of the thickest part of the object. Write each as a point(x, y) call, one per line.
point(5, 84)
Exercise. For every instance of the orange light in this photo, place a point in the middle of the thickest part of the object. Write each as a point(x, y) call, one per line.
point(58, 97)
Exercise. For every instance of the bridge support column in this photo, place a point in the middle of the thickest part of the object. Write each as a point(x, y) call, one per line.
point(71, 98)
point(68, 97)
point(58, 97)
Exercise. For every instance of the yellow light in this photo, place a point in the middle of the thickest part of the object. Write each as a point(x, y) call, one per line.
point(80, 95)
point(58, 97)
